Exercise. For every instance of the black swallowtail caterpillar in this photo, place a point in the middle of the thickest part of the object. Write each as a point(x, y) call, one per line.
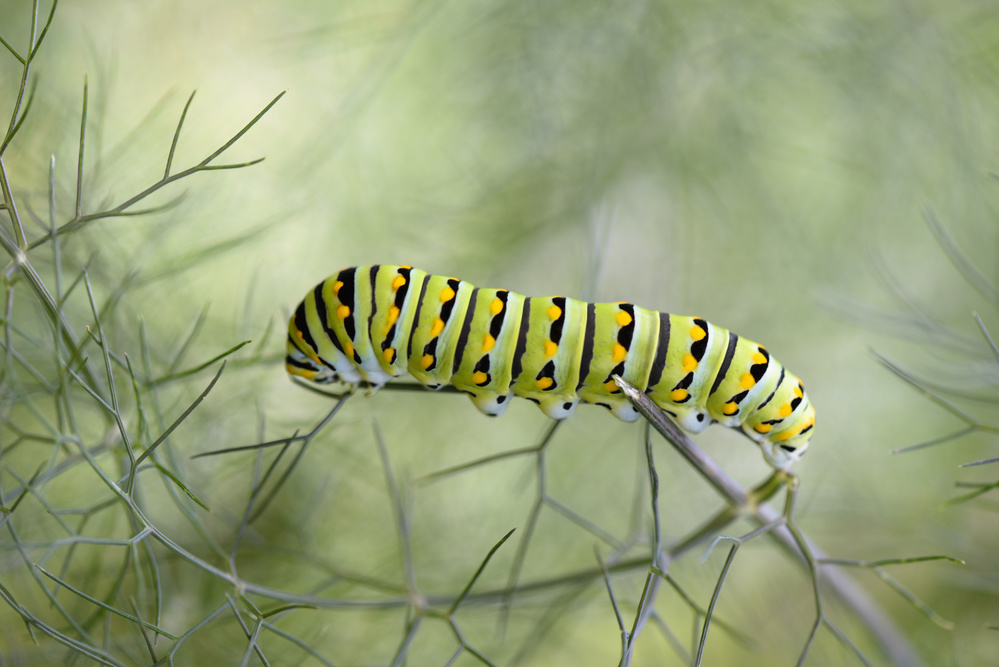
point(370, 324)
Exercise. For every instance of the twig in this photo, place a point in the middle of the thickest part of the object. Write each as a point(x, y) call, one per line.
point(880, 625)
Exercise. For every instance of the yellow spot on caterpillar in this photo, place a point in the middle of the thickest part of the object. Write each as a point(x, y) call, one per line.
point(697, 333)
point(336, 287)
point(348, 349)
point(478, 377)
point(747, 381)
point(389, 354)
point(798, 391)
point(730, 408)
point(488, 342)
point(437, 328)
point(342, 311)
point(758, 358)
point(619, 352)
point(405, 266)
point(426, 361)
point(689, 363)
point(544, 383)
point(786, 435)
point(623, 318)
point(393, 315)
point(611, 386)
point(678, 395)
point(554, 312)
point(447, 294)
point(496, 307)
point(762, 428)
point(785, 410)
point(550, 348)
point(398, 282)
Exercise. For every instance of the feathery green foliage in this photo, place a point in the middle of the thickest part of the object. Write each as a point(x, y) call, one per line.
point(747, 162)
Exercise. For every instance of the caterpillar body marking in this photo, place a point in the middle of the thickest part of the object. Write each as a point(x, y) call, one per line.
point(371, 324)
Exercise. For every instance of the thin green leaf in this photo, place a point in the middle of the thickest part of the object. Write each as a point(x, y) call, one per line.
point(199, 324)
point(985, 332)
point(965, 267)
point(12, 50)
point(921, 606)
point(79, 163)
point(80, 220)
point(177, 422)
point(176, 135)
point(979, 463)
point(284, 608)
point(936, 441)
point(103, 605)
point(478, 572)
point(199, 367)
point(888, 561)
point(946, 405)
point(44, 32)
point(981, 489)
point(16, 127)
point(181, 485)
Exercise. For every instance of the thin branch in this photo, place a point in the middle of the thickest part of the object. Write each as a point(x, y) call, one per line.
point(946, 405)
point(176, 134)
point(879, 624)
point(177, 422)
point(79, 163)
point(400, 513)
point(985, 332)
point(959, 259)
point(80, 220)
point(475, 577)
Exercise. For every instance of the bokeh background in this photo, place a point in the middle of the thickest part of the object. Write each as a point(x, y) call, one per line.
point(769, 166)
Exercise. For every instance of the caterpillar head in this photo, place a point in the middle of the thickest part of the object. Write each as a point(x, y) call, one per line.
point(783, 448)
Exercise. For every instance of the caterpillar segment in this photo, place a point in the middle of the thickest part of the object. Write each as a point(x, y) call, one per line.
point(370, 324)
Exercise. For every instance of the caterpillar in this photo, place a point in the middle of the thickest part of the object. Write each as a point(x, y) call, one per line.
point(371, 324)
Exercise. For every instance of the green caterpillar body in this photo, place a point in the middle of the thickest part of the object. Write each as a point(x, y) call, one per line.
point(371, 324)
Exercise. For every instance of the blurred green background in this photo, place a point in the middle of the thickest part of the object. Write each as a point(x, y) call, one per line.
point(768, 166)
